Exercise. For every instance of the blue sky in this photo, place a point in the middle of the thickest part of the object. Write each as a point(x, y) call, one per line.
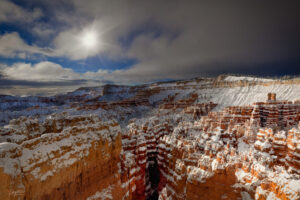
point(57, 46)
point(90, 63)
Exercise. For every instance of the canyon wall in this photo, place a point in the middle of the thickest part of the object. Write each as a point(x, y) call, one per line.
point(64, 158)
point(237, 153)
point(200, 139)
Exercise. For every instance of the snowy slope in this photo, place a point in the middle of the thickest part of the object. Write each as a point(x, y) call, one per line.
point(232, 96)
point(225, 91)
point(245, 78)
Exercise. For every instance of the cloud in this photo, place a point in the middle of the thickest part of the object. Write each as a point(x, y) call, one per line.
point(166, 39)
point(43, 71)
point(43, 31)
point(44, 78)
point(26, 88)
point(68, 44)
point(12, 45)
point(210, 41)
point(176, 39)
point(47, 72)
point(10, 12)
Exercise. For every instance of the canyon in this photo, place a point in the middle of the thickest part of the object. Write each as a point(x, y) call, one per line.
point(230, 137)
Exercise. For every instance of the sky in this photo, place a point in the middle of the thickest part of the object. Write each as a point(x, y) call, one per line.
point(56, 46)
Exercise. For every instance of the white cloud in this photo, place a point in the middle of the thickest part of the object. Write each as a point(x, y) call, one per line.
point(43, 71)
point(43, 30)
point(10, 12)
point(66, 44)
point(69, 43)
point(12, 45)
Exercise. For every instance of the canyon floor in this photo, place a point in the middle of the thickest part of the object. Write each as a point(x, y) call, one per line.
point(230, 137)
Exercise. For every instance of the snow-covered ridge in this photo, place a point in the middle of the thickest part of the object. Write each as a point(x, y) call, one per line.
point(246, 78)
point(224, 91)
point(61, 141)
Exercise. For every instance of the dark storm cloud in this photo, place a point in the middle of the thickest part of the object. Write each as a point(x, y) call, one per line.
point(181, 39)
point(7, 83)
point(25, 87)
point(9, 86)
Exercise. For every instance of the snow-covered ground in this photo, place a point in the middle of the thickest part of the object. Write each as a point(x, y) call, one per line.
point(234, 96)
point(246, 78)
point(13, 107)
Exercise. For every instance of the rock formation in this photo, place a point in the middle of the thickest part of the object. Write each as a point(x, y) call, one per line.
point(177, 140)
point(63, 158)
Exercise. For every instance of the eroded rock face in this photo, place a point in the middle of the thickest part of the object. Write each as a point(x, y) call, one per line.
point(185, 147)
point(227, 155)
point(67, 158)
point(140, 148)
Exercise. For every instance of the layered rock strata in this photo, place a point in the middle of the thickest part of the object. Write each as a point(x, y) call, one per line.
point(240, 152)
point(64, 158)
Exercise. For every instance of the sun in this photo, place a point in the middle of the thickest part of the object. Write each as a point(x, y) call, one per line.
point(89, 40)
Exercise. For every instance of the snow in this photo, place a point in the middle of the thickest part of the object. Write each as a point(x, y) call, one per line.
point(104, 194)
point(71, 144)
point(242, 146)
point(246, 196)
point(246, 78)
point(35, 147)
point(240, 174)
point(216, 165)
point(198, 174)
point(10, 165)
point(230, 96)
point(263, 145)
point(238, 96)
point(272, 196)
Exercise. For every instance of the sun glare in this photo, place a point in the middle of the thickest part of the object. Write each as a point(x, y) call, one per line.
point(89, 40)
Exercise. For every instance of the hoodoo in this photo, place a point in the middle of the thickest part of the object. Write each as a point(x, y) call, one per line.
point(199, 139)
